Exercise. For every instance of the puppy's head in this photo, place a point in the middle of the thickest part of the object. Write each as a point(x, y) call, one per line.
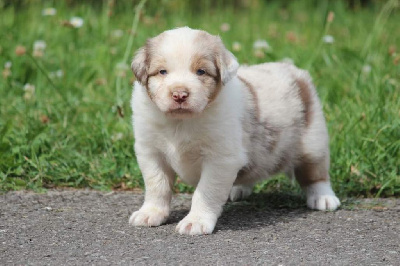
point(183, 70)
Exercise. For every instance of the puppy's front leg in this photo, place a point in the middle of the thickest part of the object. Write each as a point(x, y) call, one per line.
point(211, 193)
point(158, 178)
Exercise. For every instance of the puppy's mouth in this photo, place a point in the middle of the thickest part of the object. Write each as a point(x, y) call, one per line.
point(179, 110)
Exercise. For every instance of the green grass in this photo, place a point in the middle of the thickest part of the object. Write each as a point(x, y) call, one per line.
point(75, 130)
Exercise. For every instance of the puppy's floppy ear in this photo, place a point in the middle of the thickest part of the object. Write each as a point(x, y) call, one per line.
point(227, 63)
point(140, 64)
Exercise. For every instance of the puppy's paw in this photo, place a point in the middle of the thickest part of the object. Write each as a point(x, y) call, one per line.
point(320, 196)
point(196, 225)
point(239, 192)
point(148, 216)
point(323, 203)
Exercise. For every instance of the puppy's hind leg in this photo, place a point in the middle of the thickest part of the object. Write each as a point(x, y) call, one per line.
point(312, 171)
point(314, 179)
point(240, 192)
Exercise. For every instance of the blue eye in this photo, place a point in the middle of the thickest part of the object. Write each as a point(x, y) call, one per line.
point(163, 72)
point(200, 72)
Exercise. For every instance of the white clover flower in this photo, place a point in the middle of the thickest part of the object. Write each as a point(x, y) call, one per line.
point(57, 74)
point(121, 69)
point(29, 87)
point(29, 91)
point(76, 22)
point(39, 45)
point(261, 45)
point(288, 60)
point(8, 65)
point(122, 66)
point(236, 46)
point(117, 136)
point(366, 69)
point(50, 11)
point(117, 33)
point(328, 39)
point(225, 27)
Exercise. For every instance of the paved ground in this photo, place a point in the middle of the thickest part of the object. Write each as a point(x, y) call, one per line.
point(88, 227)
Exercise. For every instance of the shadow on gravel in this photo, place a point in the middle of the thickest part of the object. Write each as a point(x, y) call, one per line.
point(259, 210)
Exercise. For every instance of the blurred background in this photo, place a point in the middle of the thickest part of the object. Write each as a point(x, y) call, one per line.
point(65, 87)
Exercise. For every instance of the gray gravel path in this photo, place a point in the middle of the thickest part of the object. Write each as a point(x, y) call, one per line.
point(87, 227)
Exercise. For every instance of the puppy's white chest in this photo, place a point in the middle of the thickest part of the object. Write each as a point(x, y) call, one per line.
point(185, 157)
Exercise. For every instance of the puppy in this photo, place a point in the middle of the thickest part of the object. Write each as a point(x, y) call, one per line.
point(221, 128)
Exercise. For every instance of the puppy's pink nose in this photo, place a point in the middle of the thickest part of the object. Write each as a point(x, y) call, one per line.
point(180, 96)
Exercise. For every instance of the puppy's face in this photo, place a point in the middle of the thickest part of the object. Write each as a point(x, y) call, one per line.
point(183, 70)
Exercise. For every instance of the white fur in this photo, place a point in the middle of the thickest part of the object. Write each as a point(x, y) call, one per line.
point(207, 146)
point(320, 196)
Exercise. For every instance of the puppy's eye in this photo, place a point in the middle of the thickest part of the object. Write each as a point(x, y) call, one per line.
point(200, 72)
point(163, 72)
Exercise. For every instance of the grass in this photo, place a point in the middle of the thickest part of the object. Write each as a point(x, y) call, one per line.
point(74, 128)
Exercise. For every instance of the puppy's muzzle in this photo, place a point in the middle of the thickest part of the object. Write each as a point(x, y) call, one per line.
point(180, 95)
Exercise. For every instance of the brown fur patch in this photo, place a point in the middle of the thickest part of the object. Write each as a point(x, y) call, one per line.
point(206, 62)
point(254, 94)
point(211, 48)
point(308, 172)
point(306, 98)
point(211, 79)
point(273, 136)
point(142, 61)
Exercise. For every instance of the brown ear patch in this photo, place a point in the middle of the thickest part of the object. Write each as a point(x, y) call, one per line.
point(139, 65)
point(306, 99)
point(143, 59)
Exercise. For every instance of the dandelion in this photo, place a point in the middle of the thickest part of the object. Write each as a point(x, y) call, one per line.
point(261, 45)
point(76, 22)
point(225, 27)
point(50, 11)
point(20, 50)
point(328, 39)
point(236, 46)
point(38, 48)
point(29, 91)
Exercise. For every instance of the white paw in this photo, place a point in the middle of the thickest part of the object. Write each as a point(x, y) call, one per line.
point(323, 203)
point(239, 192)
point(148, 216)
point(320, 196)
point(196, 225)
